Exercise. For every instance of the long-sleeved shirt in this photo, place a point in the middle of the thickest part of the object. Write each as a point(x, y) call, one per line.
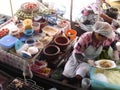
point(85, 40)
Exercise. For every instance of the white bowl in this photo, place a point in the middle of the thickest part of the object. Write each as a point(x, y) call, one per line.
point(33, 50)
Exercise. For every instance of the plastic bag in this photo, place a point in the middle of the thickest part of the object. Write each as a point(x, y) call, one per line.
point(100, 85)
point(110, 52)
point(101, 77)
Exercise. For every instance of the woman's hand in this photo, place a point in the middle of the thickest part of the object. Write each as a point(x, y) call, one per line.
point(91, 62)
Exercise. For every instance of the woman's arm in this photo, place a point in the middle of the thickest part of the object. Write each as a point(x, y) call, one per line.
point(80, 57)
point(84, 59)
point(106, 18)
point(110, 20)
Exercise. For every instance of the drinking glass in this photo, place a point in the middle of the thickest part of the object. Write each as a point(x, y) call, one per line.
point(85, 83)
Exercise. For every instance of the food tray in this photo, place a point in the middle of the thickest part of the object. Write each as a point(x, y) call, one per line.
point(28, 85)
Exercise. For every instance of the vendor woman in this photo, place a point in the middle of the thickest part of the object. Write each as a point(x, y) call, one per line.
point(88, 48)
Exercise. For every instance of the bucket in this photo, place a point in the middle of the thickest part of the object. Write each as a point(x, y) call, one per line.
point(71, 34)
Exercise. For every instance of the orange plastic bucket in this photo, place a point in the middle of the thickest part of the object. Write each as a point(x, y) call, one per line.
point(71, 34)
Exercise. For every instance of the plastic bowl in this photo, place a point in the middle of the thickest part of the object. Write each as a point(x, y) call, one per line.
point(28, 32)
point(30, 41)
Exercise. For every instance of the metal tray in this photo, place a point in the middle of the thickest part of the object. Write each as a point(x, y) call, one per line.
point(28, 85)
point(4, 79)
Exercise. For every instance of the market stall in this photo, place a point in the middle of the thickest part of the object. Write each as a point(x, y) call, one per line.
point(35, 46)
point(30, 40)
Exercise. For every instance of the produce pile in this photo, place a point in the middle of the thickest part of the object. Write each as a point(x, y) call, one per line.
point(23, 13)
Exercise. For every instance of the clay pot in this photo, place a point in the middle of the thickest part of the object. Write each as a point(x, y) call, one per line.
point(51, 52)
point(62, 42)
